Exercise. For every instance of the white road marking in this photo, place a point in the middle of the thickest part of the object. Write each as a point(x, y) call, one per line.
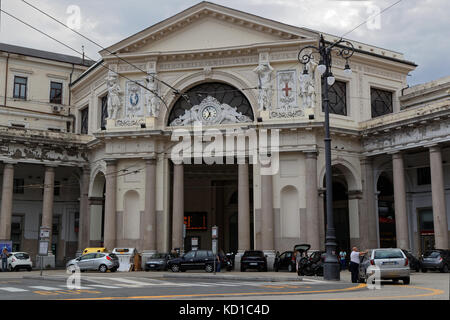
point(103, 286)
point(12, 289)
point(45, 288)
point(79, 288)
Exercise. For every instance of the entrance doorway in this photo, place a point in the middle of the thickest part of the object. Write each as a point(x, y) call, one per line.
point(386, 214)
point(210, 199)
point(340, 210)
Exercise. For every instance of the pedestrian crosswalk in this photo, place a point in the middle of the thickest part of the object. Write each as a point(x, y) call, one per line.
point(97, 283)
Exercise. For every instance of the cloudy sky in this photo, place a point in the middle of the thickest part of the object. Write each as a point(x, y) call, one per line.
point(418, 28)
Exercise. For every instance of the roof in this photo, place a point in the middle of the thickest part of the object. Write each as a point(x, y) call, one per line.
point(44, 54)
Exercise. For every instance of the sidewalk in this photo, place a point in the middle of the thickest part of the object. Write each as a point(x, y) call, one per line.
point(61, 275)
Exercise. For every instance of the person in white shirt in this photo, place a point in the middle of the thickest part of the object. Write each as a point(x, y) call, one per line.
point(354, 263)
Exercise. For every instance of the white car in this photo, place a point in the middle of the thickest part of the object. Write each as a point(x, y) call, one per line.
point(392, 264)
point(19, 260)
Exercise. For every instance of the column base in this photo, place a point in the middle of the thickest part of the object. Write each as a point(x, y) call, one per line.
point(270, 256)
point(146, 254)
point(48, 262)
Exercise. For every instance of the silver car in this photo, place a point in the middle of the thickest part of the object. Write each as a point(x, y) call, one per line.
point(392, 263)
point(95, 261)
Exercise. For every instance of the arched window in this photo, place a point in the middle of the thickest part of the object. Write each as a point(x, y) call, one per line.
point(224, 93)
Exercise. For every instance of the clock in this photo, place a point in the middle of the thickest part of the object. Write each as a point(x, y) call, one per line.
point(209, 113)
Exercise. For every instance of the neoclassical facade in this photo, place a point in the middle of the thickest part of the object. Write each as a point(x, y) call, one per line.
point(237, 75)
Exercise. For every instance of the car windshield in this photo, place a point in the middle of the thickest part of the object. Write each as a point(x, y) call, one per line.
point(432, 254)
point(158, 256)
point(253, 254)
point(388, 254)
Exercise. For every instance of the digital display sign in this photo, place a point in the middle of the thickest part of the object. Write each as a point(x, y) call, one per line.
point(195, 220)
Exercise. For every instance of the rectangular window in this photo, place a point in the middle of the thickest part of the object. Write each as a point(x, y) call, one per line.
point(18, 186)
point(337, 95)
point(20, 87)
point(381, 102)
point(84, 120)
point(423, 176)
point(104, 111)
point(56, 92)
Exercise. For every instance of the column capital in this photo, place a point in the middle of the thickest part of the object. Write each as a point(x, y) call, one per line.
point(110, 161)
point(366, 160)
point(354, 194)
point(9, 162)
point(311, 154)
point(397, 155)
point(150, 160)
point(434, 148)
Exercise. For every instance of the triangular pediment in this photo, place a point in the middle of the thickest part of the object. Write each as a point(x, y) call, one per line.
point(208, 26)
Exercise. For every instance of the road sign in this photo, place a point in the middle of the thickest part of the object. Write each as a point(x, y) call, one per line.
point(43, 248)
point(215, 232)
point(44, 233)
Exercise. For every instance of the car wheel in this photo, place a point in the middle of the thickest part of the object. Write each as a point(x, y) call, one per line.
point(103, 268)
point(406, 280)
point(175, 268)
point(113, 269)
point(444, 269)
point(424, 270)
point(29, 268)
point(242, 269)
point(290, 268)
point(209, 268)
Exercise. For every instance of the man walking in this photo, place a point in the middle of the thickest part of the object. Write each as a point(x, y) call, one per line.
point(354, 263)
point(4, 256)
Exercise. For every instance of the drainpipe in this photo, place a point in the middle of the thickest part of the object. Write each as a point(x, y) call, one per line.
point(6, 79)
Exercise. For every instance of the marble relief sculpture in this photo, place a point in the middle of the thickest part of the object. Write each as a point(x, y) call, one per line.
point(264, 71)
point(152, 101)
point(308, 86)
point(114, 91)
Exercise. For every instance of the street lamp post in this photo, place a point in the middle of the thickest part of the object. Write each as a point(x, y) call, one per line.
point(343, 48)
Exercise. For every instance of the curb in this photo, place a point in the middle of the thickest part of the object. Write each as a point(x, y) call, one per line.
point(234, 278)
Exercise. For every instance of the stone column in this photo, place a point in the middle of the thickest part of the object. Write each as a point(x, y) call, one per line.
point(312, 201)
point(243, 208)
point(150, 207)
point(438, 198)
point(47, 204)
point(367, 215)
point(7, 201)
point(267, 219)
point(401, 217)
point(178, 206)
point(84, 217)
point(109, 238)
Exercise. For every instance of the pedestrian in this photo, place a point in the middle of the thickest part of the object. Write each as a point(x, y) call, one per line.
point(298, 257)
point(354, 263)
point(218, 263)
point(342, 256)
point(4, 256)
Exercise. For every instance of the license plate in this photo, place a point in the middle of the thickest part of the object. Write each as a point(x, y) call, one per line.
point(152, 266)
point(253, 264)
point(390, 262)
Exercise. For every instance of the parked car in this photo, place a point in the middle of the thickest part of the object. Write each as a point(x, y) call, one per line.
point(285, 261)
point(101, 261)
point(414, 263)
point(393, 264)
point(253, 259)
point(19, 260)
point(158, 261)
point(193, 260)
point(435, 260)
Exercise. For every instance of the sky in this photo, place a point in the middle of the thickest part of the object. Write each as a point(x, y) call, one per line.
point(420, 29)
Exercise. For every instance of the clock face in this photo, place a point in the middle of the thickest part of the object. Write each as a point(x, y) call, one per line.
point(209, 113)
